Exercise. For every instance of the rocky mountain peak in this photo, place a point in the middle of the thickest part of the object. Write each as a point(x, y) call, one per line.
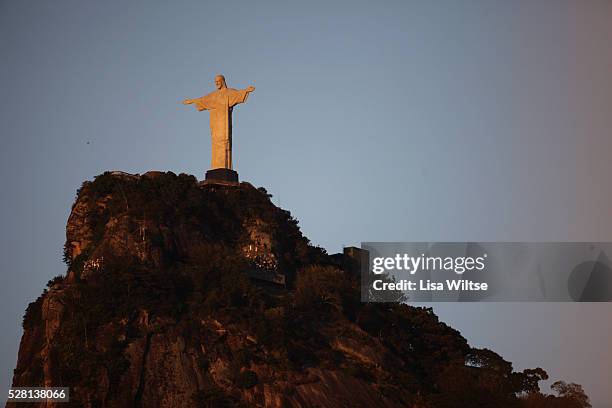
point(179, 294)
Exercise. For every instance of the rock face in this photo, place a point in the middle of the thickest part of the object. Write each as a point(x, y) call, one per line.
point(182, 295)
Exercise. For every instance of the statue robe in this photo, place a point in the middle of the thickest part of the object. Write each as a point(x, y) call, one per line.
point(220, 104)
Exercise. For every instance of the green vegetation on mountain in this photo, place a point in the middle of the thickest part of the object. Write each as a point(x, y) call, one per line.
point(159, 306)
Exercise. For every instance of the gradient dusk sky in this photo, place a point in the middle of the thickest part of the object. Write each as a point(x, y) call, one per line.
point(469, 120)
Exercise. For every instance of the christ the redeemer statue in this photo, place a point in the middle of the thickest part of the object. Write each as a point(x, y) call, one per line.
point(220, 103)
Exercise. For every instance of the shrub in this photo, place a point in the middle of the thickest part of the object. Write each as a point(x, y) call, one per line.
point(246, 379)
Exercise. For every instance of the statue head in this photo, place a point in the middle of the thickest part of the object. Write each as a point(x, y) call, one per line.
point(220, 82)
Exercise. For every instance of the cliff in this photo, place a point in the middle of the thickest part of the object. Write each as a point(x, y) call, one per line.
point(186, 295)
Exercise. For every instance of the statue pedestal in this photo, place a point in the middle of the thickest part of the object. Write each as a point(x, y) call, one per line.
point(221, 176)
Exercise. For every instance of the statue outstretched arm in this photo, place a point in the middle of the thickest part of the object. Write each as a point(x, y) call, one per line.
point(197, 101)
point(242, 96)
